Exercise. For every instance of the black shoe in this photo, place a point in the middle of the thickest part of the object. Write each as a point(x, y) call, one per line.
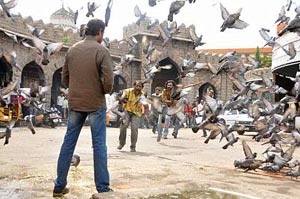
point(60, 193)
point(158, 138)
point(106, 190)
point(174, 135)
point(120, 147)
point(195, 129)
point(132, 150)
point(153, 130)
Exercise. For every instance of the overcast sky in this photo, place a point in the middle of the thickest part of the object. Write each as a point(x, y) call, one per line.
point(204, 14)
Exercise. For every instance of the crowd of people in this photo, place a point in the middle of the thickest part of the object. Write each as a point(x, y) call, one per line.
point(160, 119)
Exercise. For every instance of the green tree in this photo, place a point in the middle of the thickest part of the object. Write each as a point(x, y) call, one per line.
point(266, 61)
point(257, 55)
point(65, 40)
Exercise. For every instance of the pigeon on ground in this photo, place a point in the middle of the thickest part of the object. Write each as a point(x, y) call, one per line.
point(249, 162)
point(75, 160)
point(294, 174)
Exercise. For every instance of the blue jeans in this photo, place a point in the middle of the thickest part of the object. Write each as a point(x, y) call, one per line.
point(177, 124)
point(76, 120)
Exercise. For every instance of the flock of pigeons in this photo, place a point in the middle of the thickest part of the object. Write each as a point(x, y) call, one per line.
point(272, 121)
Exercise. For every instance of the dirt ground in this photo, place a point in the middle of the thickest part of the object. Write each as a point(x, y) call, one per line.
point(173, 168)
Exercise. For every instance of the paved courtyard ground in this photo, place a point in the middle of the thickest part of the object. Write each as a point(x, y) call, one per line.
point(174, 168)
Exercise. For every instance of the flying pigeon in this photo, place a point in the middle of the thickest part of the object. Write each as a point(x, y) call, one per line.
point(152, 3)
point(35, 31)
point(7, 6)
point(138, 13)
point(46, 50)
point(232, 20)
point(175, 8)
point(282, 18)
point(290, 51)
point(107, 11)
point(92, 7)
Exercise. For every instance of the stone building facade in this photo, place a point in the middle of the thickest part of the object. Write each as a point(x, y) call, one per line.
point(179, 47)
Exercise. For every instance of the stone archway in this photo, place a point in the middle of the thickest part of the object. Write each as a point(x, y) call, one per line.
point(119, 83)
point(205, 88)
point(56, 84)
point(32, 74)
point(6, 72)
point(165, 75)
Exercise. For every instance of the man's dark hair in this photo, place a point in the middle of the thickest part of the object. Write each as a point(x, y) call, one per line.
point(170, 81)
point(94, 26)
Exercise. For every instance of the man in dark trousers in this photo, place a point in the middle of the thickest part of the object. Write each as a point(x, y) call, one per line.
point(133, 111)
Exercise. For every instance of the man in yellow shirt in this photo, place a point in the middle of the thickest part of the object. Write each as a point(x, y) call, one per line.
point(133, 111)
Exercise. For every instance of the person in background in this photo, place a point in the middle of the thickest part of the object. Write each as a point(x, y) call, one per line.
point(133, 112)
point(144, 122)
point(168, 100)
point(188, 114)
point(88, 73)
point(194, 113)
point(202, 109)
point(65, 107)
point(154, 113)
point(59, 103)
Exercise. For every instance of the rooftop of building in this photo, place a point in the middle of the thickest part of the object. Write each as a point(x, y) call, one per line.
point(238, 50)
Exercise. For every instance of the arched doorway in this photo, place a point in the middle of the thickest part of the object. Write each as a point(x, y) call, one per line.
point(119, 83)
point(207, 88)
point(5, 72)
point(32, 74)
point(56, 84)
point(165, 75)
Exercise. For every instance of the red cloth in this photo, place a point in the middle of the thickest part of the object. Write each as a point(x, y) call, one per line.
point(188, 109)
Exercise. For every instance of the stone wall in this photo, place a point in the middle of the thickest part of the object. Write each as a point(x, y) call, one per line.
point(180, 46)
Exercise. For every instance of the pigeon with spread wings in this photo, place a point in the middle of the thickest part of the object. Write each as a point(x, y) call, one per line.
point(7, 6)
point(107, 11)
point(92, 7)
point(46, 50)
point(139, 14)
point(232, 20)
point(175, 8)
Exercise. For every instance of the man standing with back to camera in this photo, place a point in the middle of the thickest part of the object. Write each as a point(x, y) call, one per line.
point(88, 73)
